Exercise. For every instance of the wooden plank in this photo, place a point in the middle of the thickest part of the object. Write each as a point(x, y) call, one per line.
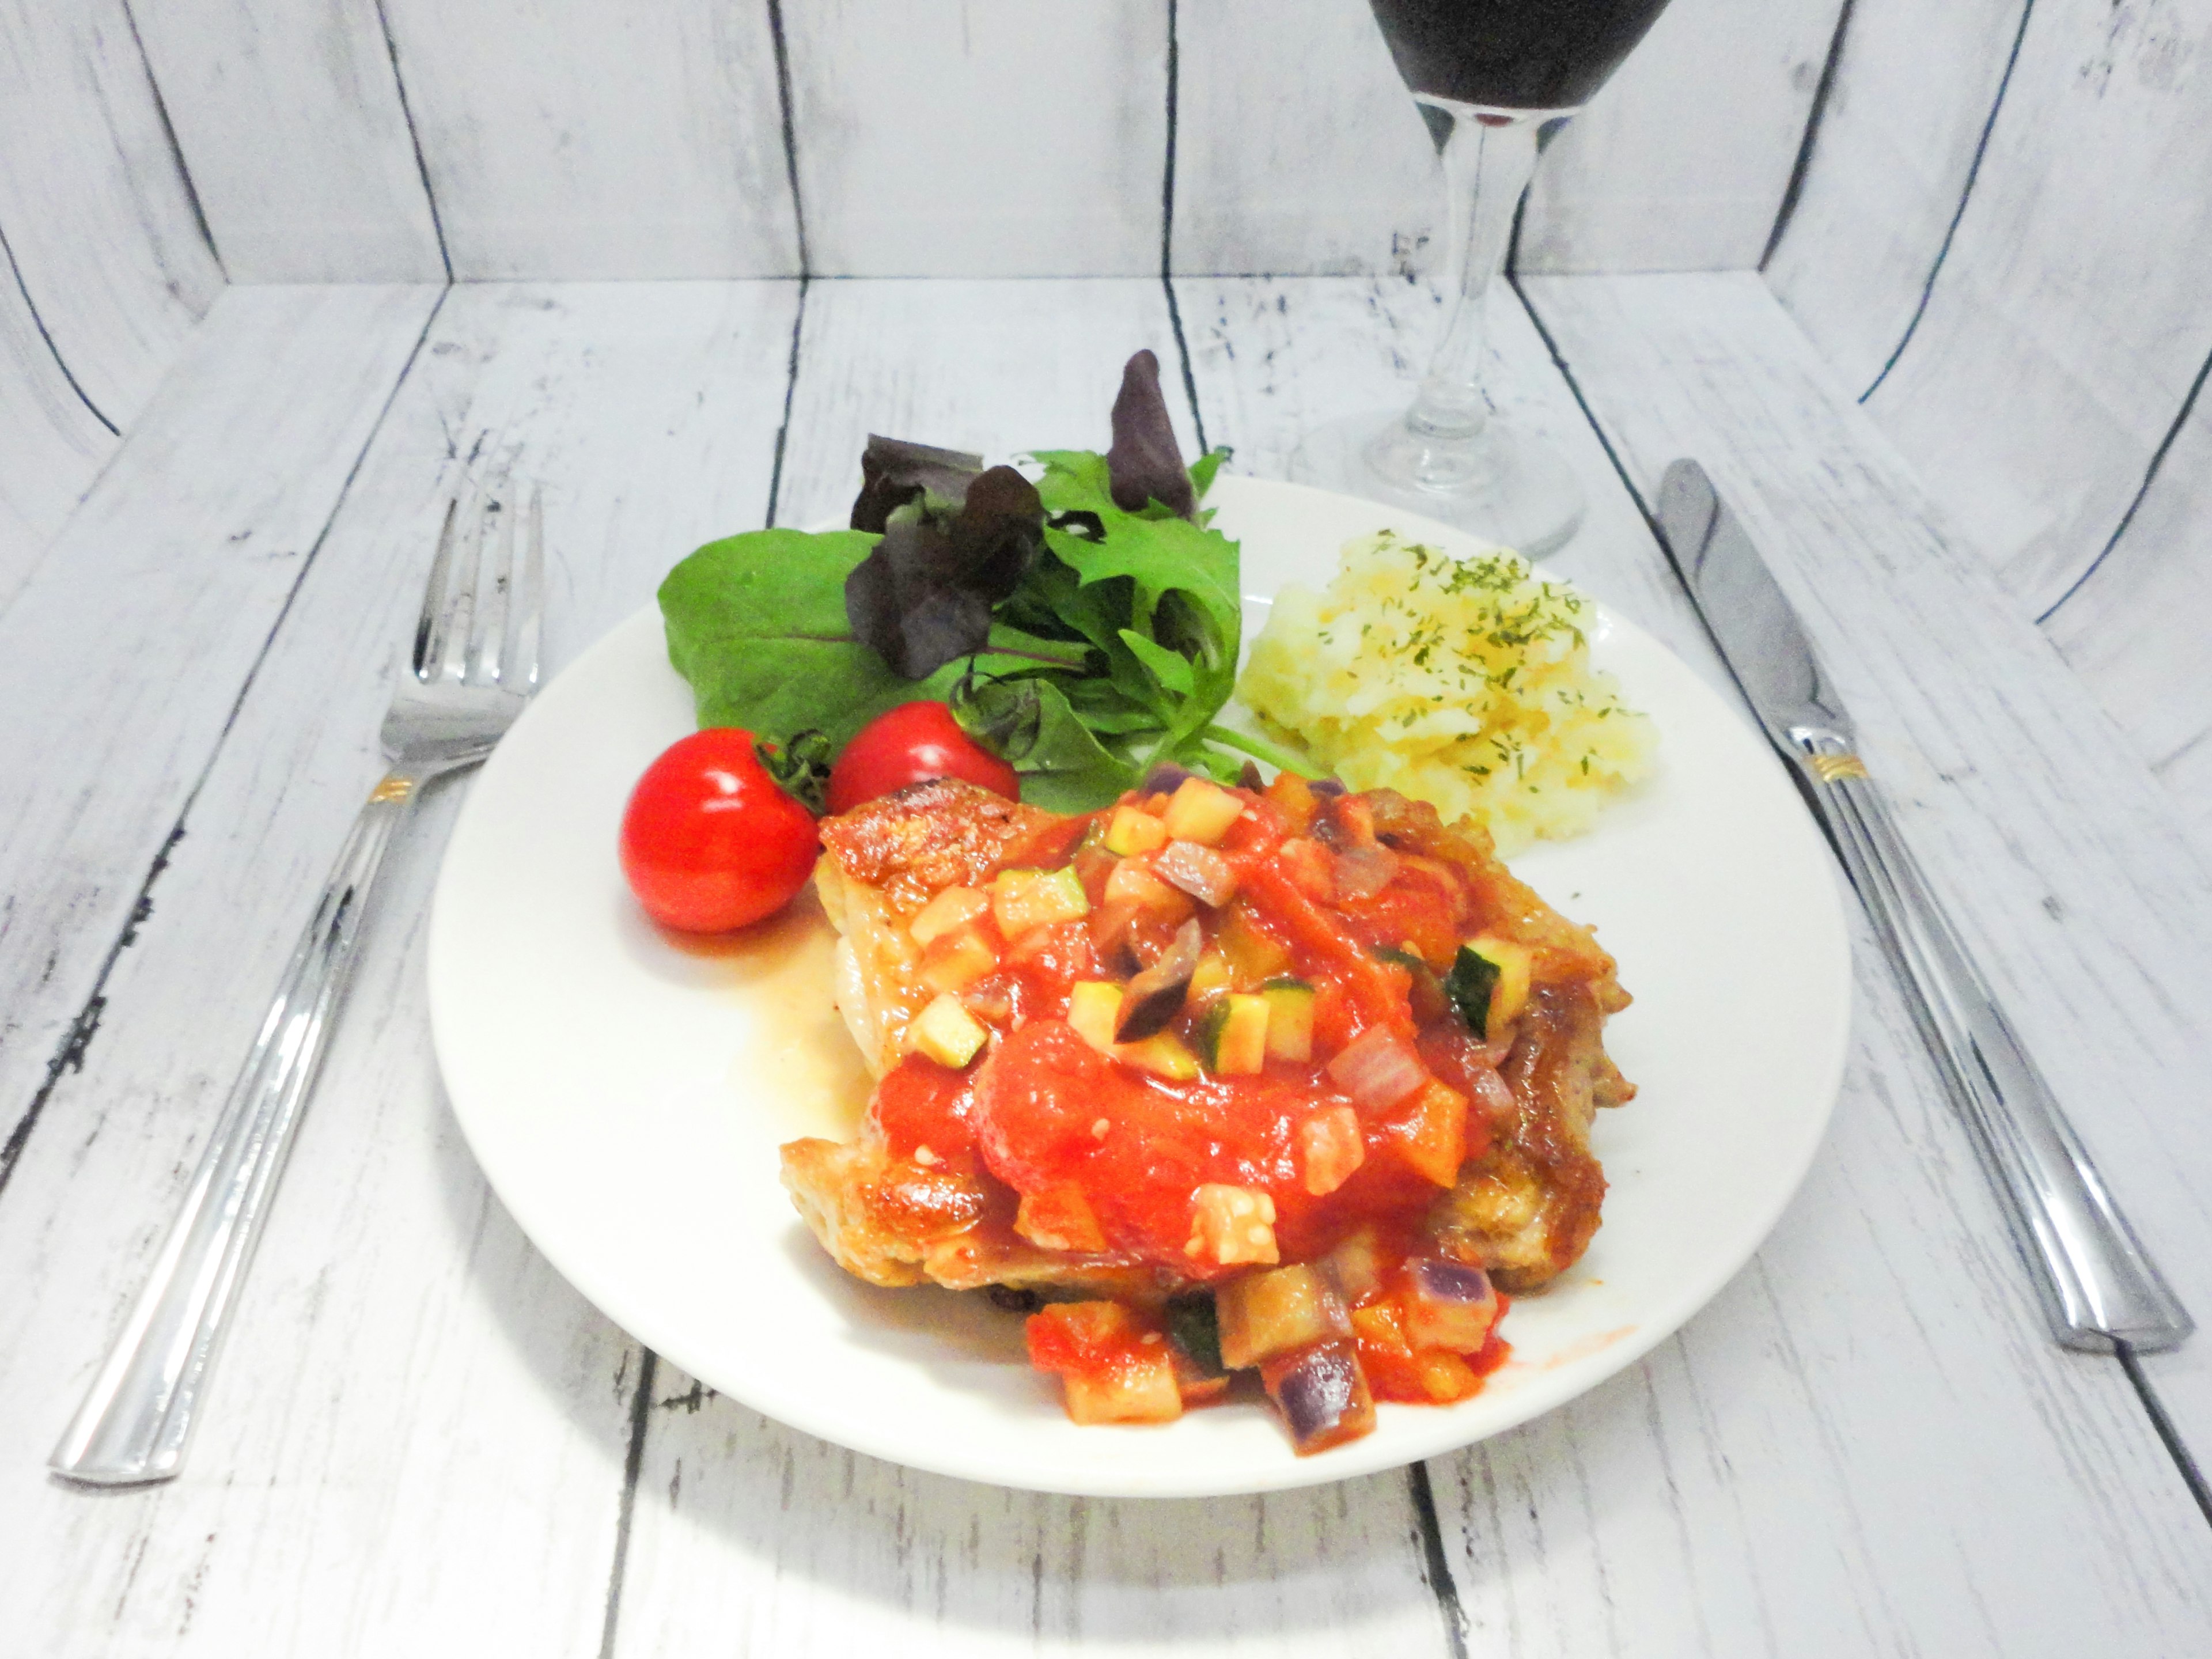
point(749, 1535)
point(416, 1439)
point(1913, 91)
point(54, 444)
point(97, 213)
point(2065, 863)
point(1297, 149)
point(1680, 161)
point(1865, 1443)
point(572, 138)
point(2068, 320)
point(191, 543)
point(980, 137)
point(294, 127)
point(2133, 629)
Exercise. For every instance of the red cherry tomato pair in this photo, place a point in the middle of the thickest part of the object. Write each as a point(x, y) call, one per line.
point(710, 842)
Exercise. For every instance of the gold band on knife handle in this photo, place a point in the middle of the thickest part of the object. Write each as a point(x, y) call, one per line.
point(1832, 767)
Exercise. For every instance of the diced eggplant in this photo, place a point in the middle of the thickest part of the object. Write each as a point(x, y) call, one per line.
point(1355, 1265)
point(1322, 1395)
point(1164, 779)
point(1448, 1304)
point(1155, 997)
point(1194, 1328)
point(1289, 1018)
point(1255, 956)
point(1265, 1313)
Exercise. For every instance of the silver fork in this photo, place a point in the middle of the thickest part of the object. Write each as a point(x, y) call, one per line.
point(475, 665)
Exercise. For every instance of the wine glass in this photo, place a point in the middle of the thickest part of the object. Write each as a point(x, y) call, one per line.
point(1488, 75)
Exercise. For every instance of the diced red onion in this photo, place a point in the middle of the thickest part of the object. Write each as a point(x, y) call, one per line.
point(1199, 870)
point(1325, 786)
point(1494, 1098)
point(1163, 780)
point(1378, 1069)
point(1364, 870)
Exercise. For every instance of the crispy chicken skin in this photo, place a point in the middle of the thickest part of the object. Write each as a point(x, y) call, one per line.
point(1524, 1206)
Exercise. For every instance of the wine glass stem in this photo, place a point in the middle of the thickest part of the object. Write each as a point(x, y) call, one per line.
point(1488, 155)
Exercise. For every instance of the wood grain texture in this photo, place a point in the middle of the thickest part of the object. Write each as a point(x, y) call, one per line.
point(52, 443)
point(2065, 863)
point(1914, 88)
point(1680, 161)
point(96, 211)
point(416, 1439)
point(1814, 1463)
point(575, 138)
point(293, 128)
point(1297, 149)
point(192, 542)
point(2134, 629)
point(749, 1537)
point(2071, 301)
point(980, 137)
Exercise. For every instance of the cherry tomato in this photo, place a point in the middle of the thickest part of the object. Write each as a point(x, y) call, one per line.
point(910, 744)
point(710, 842)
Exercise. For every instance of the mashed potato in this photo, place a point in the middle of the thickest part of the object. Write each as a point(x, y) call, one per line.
point(1465, 684)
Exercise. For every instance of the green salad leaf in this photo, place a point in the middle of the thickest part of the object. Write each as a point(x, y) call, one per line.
point(1095, 656)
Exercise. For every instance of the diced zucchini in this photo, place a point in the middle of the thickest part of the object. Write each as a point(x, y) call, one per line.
point(1264, 1314)
point(1022, 899)
point(955, 961)
point(1233, 1039)
point(953, 907)
point(1254, 957)
point(1488, 984)
point(1212, 978)
point(1093, 1006)
point(946, 1032)
point(1195, 1327)
point(1132, 830)
point(1202, 812)
point(1289, 1018)
point(1164, 1056)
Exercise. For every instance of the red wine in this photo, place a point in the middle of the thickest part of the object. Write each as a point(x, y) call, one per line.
point(1512, 54)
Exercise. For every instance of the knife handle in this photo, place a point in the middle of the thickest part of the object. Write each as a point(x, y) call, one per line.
point(2097, 1283)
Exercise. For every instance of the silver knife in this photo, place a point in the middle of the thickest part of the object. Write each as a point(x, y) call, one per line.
point(2098, 1285)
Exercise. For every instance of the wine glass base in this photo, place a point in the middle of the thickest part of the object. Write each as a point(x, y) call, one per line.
point(1513, 489)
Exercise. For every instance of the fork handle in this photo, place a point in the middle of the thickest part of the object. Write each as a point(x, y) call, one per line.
point(135, 1420)
point(2097, 1283)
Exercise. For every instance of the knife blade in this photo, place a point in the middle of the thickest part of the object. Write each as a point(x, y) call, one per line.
point(2097, 1285)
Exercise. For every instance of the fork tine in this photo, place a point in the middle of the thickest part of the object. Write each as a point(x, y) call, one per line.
point(485, 652)
point(527, 603)
point(429, 645)
point(454, 628)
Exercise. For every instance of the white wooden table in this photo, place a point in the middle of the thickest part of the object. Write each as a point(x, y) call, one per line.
point(422, 1441)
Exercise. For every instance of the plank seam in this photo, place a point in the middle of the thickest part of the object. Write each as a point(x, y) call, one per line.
point(1966, 195)
point(1167, 229)
point(1813, 117)
point(790, 393)
point(69, 1055)
point(414, 137)
point(45, 334)
point(2175, 1447)
point(2150, 473)
point(633, 1464)
point(1436, 1566)
point(176, 150)
point(790, 146)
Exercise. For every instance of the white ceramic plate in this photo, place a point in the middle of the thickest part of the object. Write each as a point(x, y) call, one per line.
point(626, 1096)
